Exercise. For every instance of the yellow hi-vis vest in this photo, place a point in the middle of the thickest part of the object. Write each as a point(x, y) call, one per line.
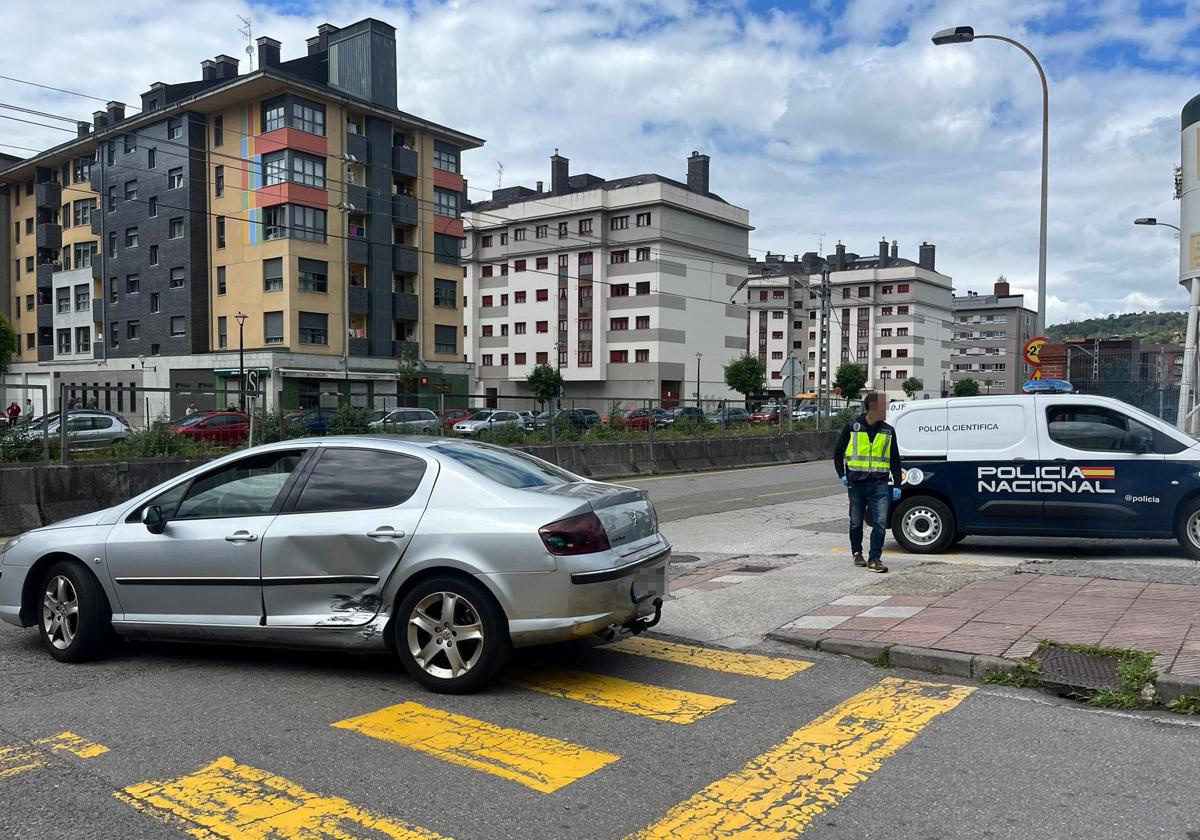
point(864, 455)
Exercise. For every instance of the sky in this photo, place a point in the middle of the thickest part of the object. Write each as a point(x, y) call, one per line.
point(829, 120)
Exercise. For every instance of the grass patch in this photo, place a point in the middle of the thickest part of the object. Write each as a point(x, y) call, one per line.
point(1135, 671)
point(1026, 675)
point(884, 659)
point(1185, 704)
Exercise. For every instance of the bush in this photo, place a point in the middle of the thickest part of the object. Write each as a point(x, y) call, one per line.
point(505, 436)
point(348, 420)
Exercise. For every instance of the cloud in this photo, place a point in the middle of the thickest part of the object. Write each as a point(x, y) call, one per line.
point(839, 119)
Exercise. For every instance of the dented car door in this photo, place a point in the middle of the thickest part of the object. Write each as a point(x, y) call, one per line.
point(341, 533)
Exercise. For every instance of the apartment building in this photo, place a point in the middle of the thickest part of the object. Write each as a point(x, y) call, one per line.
point(292, 211)
point(888, 314)
point(989, 337)
point(623, 284)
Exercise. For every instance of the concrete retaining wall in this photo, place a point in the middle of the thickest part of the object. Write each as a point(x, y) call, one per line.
point(35, 495)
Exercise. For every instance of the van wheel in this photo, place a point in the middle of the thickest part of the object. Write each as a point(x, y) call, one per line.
point(959, 537)
point(923, 525)
point(1187, 529)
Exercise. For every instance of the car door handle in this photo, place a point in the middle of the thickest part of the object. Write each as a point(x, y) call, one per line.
point(241, 536)
point(385, 533)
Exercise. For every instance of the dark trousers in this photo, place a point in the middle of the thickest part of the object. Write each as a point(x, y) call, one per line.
point(872, 494)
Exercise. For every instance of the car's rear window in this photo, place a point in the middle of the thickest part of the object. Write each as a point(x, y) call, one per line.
point(505, 466)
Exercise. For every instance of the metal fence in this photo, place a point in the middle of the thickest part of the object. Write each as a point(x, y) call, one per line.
point(178, 422)
point(1161, 401)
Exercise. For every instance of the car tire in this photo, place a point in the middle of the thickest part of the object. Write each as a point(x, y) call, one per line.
point(959, 537)
point(923, 525)
point(74, 617)
point(1187, 528)
point(420, 627)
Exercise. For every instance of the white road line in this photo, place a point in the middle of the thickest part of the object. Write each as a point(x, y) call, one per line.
point(722, 472)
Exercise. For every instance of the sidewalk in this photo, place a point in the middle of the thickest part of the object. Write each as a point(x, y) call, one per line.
point(1007, 616)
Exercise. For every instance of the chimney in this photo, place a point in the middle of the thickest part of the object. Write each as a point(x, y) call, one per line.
point(116, 112)
point(268, 52)
point(1001, 289)
point(926, 258)
point(100, 119)
point(82, 128)
point(226, 67)
point(895, 250)
point(560, 172)
point(697, 179)
point(208, 70)
point(314, 44)
point(839, 259)
point(883, 252)
point(323, 33)
point(539, 186)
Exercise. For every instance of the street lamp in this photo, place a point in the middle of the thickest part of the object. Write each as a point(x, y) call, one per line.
point(240, 317)
point(1187, 383)
point(1150, 220)
point(966, 34)
point(699, 356)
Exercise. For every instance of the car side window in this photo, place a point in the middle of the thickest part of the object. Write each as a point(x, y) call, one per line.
point(247, 487)
point(1097, 429)
point(360, 479)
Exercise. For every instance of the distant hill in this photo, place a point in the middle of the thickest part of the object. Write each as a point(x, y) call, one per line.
point(1153, 327)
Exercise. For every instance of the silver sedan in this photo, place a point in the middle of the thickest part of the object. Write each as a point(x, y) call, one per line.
point(489, 421)
point(448, 553)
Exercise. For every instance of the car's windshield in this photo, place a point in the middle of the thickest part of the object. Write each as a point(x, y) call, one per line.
point(505, 466)
point(191, 420)
point(482, 415)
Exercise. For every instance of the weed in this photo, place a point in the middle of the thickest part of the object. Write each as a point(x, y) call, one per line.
point(1106, 698)
point(884, 659)
point(1135, 671)
point(1025, 675)
point(1185, 704)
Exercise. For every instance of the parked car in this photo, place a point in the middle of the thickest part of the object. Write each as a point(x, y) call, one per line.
point(86, 429)
point(540, 556)
point(635, 418)
point(580, 418)
point(456, 415)
point(527, 417)
point(489, 421)
point(769, 413)
point(804, 411)
point(214, 426)
point(311, 421)
point(729, 416)
point(407, 420)
point(684, 412)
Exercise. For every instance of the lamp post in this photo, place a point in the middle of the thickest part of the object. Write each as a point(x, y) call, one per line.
point(240, 317)
point(1187, 382)
point(699, 356)
point(964, 35)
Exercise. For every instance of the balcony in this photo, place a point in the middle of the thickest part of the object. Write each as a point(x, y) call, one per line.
point(357, 195)
point(357, 145)
point(49, 235)
point(47, 194)
point(97, 267)
point(406, 349)
point(405, 259)
point(359, 346)
point(97, 222)
point(359, 300)
point(45, 314)
point(45, 272)
point(96, 178)
point(404, 161)
point(45, 352)
point(97, 311)
point(98, 350)
point(404, 209)
point(357, 248)
point(405, 307)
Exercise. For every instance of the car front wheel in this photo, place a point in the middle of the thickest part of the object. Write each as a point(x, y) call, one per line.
point(923, 525)
point(74, 617)
point(451, 635)
point(1187, 529)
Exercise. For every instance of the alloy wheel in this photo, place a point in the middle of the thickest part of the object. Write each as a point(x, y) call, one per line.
point(445, 635)
point(60, 612)
point(922, 525)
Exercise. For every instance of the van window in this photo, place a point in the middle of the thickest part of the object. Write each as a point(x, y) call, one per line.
point(1091, 428)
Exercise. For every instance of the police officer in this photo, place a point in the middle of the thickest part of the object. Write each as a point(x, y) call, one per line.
point(865, 455)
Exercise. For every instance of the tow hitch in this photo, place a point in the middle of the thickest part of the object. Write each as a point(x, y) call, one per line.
point(641, 625)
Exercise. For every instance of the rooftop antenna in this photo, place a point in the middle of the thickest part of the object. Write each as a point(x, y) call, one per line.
point(499, 174)
point(248, 31)
point(820, 244)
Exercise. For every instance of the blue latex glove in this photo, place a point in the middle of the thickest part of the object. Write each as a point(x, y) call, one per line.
point(845, 481)
point(895, 494)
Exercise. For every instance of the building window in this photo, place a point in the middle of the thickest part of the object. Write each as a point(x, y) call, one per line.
point(64, 341)
point(643, 287)
point(445, 202)
point(901, 288)
point(151, 158)
point(504, 239)
point(902, 353)
point(110, 199)
point(114, 335)
point(518, 265)
point(486, 331)
point(643, 220)
point(641, 356)
point(222, 332)
point(153, 255)
point(445, 339)
point(485, 241)
point(886, 290)
point(133, 284)
point(562, 230)
point(273, 116)
point(541, 231)
point(585, 226)
point(643, 254)
point(112, 290)
point(543, 294)
point(519, 234)
point(618, 357)
point(83, 339)
point(519, 358)
point(887, 310)
point(131, 190)
point(273, 328)
point(82, 212)
point(83, 298)
point(485, 301)
point(618, 223)
point(902, 310)
point(313, 276)
point(445, 156)
point(130, 143)
point(308, 116)
point(308, 170)
point(133, 330)
point(272, 270)
point(619, 290)
point(901, 331)
point(486, 360)
point(885, 354)
point(777, 334)
point(314, 328)
point(219, 181)
point(154, 307)
point(152, 206)
point(543, 263)
point(445, 293)
point(63, 302)
point(618, 257)
point(131, 237)
point(174, 129)
point(886, 332)
point(175, 178)
point(274, 168)
point(618, 324)
point(220, 231)
point(518, 297)
point(542, 326)
point(178, 324)
point(82, 171)
point(643, 322)
point(218, 130)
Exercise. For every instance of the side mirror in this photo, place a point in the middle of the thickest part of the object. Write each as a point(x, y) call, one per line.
point(153, 519)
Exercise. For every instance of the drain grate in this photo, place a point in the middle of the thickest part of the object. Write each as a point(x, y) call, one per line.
point(752, 569)
point(1075, 671)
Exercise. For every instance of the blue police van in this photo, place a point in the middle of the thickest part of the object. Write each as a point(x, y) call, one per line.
point(1064, 465)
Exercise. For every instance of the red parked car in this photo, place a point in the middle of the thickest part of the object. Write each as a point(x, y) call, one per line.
point(635, 418)
point(214, 426)
point(456, 415)
point(766, 414)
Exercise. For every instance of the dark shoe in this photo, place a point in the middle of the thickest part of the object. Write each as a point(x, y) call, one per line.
point(877, 567)
point(859, 560)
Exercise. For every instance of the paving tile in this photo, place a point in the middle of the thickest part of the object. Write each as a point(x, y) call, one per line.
point(973, 644)
point(896, 637)
point(1022, 648)
point(877, 624)
point(721, 579)
point(815, 622)
point(710, 584)
point(910, 601)
point(889, 611)
point(856, 635)
point(832, 609)
point(996, 630)
point(860, 600)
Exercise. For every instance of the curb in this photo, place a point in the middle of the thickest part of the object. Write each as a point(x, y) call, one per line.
point(950, 662)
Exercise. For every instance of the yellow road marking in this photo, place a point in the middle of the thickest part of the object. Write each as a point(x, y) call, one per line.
point(653, 701)
point(238, 802)
point(536, 761)
point(729, 661)
point(781, 791)
point(72, 743)
point(839, 549)
point(18, 758)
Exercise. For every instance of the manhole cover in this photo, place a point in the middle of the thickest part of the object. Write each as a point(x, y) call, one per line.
point(684, 558)
point(753, 569)
point(1079, 671)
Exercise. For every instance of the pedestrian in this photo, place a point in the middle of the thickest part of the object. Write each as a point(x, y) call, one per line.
point(94, 403)
point(14, 413)
point(190, 410)
point(865, 456)
point(27, 412)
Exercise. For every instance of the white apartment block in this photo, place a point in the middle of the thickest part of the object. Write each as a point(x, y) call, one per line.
point(990, 332)
point(890, 315)
point(619, 283)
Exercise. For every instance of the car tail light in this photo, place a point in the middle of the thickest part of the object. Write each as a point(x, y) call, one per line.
point(582, 534)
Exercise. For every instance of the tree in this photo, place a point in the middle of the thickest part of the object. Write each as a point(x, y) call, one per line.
point(851, 378)
point(912, 385)
point(8, 344)
point(545, 381)
point(966, 388)
point(408, 368)
point(746, 375)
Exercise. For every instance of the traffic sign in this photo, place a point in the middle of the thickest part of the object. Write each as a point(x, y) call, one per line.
point(1037, 373)
point(1032, 350)
point(792, 367)
point(251, 382)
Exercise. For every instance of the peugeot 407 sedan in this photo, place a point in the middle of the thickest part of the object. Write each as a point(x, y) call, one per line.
point(445, 552)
